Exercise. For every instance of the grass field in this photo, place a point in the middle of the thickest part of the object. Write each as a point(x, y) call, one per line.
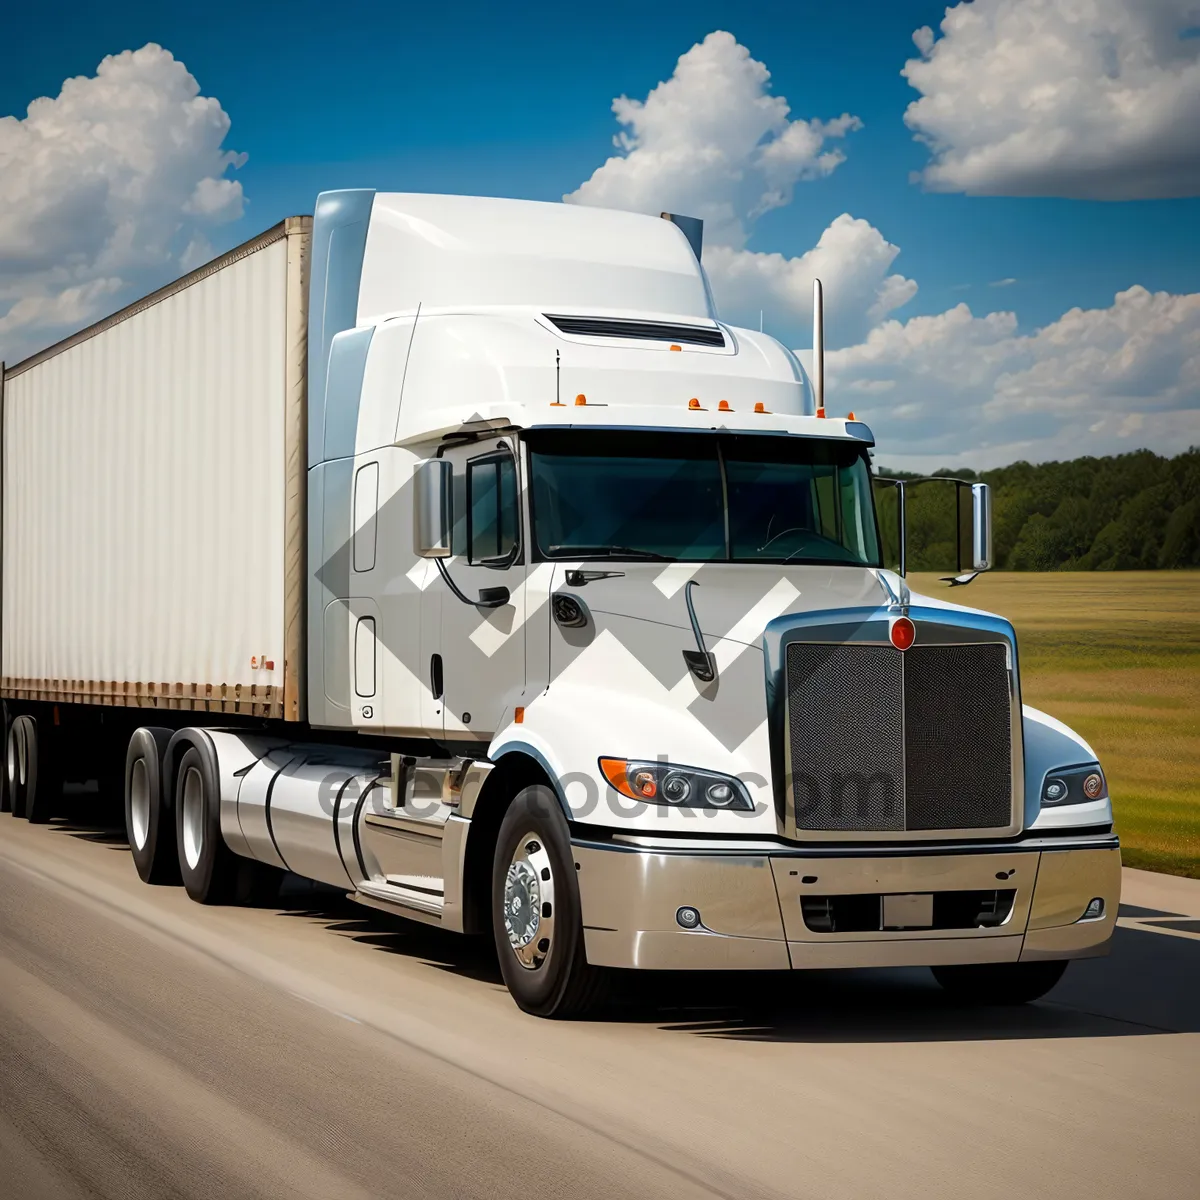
point(1116, 655)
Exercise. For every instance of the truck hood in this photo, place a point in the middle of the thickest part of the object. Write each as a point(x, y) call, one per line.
point(733, 601)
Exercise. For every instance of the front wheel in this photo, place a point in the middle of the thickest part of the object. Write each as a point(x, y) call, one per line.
point(536, 915)
point(999, 983)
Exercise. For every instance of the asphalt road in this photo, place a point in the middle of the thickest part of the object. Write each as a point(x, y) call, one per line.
point(151, 1047)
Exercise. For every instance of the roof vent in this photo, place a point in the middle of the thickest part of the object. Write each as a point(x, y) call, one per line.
point(650, 331)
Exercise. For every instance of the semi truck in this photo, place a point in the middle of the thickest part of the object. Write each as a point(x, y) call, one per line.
point(453, 552)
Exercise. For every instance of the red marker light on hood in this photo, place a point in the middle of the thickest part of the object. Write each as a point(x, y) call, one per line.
point(903, 633)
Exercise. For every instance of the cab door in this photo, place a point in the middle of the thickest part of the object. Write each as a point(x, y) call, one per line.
point(481, 595)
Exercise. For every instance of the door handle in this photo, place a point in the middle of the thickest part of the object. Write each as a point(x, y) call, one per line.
point(435, 676)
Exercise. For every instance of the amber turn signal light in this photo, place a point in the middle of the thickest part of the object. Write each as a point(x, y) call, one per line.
point(643, 785)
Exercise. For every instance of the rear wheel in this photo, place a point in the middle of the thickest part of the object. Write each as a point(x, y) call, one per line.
point(207, 865)
point(5, 789)
point(30, 772)
point(148, 816)
point(43, 773)
point(536, 916)
point(14, 767)
point(211, 872)
point(999, 983)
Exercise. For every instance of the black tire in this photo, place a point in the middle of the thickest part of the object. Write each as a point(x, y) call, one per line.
point(8, 782)
point(43, 773)
point(149, 817)
point(17, 764)
point(5, 796)
point(999, 983)
point(555, 978)
point(208, 867)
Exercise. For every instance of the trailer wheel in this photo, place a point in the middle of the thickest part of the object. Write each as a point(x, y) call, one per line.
point(14, 767)
point(536, 917)
point(43, 773)
point(999, 983)
point(32, 782)
point(148, 815)
point(208, 867)
point(5, 786)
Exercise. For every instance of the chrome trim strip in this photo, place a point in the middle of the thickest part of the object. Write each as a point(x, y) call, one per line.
point(626, 844)
point(405, 827)
point(426, 913)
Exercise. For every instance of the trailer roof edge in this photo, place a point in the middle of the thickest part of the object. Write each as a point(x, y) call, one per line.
point(289, 225)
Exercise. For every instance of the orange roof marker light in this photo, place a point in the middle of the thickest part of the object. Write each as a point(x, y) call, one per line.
point(674, 347)
point(821, 413)
point(694, 405)
point(760, 407)
point(581, 401)
point(850, 415)
point(723, 406)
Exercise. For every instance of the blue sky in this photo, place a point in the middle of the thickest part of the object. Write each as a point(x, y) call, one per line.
point(516, 100)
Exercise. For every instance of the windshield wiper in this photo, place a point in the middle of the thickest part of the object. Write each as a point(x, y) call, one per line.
point(611, 552)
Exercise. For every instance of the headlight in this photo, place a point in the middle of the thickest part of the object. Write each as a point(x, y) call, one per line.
point(1074, 785)
point(681, 787)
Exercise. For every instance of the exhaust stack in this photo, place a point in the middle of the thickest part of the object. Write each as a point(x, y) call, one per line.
point(818, 374)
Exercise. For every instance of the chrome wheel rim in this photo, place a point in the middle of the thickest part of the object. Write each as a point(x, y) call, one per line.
point(11, 757)
point(139, 804)
point(529, 903)
point(193, 817)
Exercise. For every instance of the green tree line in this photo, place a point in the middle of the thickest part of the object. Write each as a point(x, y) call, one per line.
point(1129, 512)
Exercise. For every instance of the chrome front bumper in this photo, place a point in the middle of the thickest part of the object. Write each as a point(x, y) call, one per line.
point(749, 902)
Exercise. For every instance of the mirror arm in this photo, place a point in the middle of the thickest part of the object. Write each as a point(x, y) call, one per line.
point(489, 598)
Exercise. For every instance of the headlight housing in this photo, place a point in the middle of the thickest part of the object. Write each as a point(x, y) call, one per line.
point(675, 787)
point(1081, 784)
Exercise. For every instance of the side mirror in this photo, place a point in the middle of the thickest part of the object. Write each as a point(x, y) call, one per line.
point(964, 532)
point(433, 508)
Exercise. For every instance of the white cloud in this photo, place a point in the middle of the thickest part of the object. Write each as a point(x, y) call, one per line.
point(1096, 99)
point(951, 388)
point(102, 190)
point(956, 388)
point(852, 258)
point(72, 306)
point(713, 142)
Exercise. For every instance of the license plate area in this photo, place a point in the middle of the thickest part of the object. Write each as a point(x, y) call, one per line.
point(910, 911)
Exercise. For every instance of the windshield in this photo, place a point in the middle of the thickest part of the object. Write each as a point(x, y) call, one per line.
point(701, 497)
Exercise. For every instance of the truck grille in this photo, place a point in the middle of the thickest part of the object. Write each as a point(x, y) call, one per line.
point(886, 740)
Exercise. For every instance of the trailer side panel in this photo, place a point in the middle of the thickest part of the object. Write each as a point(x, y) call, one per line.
point(150, 515)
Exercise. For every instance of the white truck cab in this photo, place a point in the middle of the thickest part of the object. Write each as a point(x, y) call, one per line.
point(610, 554)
